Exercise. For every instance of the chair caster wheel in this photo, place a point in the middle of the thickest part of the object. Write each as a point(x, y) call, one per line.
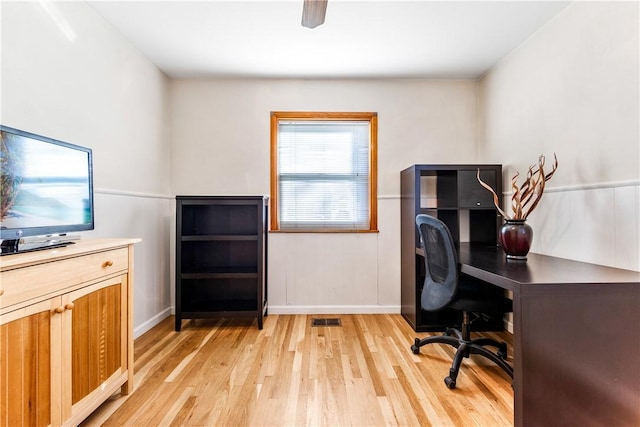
point(451, 383)
point(502, 352)
point(416, 346)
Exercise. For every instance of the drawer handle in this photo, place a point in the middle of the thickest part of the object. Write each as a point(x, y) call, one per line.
point(69, 306)
point(59, 309)
point(107, 264)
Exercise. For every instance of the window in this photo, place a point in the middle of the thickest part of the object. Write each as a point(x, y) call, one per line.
point(323, 171)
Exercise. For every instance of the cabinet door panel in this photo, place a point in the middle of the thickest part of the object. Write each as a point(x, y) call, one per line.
point(471, 193)
point(25, 367)
point(96, 340)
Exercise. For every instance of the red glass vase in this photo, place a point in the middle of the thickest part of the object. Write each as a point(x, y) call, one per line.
point(516, 237)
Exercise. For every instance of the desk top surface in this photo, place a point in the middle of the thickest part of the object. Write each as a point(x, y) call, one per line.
point(489, 263)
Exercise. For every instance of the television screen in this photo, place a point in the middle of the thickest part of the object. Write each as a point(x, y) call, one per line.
point(47, 186)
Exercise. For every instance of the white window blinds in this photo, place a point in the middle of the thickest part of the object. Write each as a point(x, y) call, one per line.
point(323, 175)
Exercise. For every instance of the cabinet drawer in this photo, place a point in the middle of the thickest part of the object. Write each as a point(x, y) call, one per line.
point(23, 284)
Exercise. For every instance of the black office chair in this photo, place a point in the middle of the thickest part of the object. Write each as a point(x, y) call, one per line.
point(445, 287)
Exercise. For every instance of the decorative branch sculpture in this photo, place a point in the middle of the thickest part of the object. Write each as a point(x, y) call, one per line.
point(525, 197)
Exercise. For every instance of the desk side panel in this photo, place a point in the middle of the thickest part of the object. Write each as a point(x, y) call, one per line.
point(579, 356)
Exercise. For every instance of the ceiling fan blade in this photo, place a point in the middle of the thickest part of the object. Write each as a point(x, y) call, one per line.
point(313, 13)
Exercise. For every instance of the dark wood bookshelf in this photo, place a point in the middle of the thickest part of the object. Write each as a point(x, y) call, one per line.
point(221, 257)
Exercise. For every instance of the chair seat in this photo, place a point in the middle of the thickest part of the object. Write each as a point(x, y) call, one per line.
point(474, 296)
point(485, 305)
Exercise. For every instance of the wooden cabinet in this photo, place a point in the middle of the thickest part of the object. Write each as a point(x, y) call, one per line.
point(452, 194)
point(66, 340)
point(221, 257)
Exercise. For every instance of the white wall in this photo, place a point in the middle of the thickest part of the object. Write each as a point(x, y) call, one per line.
point(573, 89)
point(68, 75)
point(220, 145)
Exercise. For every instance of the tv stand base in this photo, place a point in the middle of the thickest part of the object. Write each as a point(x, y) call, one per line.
point(14, 246)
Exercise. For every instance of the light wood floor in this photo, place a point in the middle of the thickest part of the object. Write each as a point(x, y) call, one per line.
point(227, 372)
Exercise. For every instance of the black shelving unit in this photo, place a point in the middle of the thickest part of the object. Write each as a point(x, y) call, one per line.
point(221, 257)
point(452, 194)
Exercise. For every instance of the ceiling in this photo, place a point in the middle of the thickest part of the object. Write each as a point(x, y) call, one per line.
point(359, 39)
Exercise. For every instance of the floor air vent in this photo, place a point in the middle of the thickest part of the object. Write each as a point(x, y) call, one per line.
point(325, 322)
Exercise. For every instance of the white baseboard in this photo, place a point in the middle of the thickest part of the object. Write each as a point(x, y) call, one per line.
point(334, 309)
point(151, 322)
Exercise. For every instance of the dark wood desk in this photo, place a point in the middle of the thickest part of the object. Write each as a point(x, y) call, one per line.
point(576, 337)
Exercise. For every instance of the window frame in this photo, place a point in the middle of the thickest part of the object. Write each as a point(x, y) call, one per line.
point(372, 118)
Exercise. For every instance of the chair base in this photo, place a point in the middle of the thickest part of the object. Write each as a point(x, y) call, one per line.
point(466, 347)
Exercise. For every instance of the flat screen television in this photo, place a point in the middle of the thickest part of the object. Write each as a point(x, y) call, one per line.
point(46, 193)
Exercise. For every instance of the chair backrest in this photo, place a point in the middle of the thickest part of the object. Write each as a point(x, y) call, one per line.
point(441, 263)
